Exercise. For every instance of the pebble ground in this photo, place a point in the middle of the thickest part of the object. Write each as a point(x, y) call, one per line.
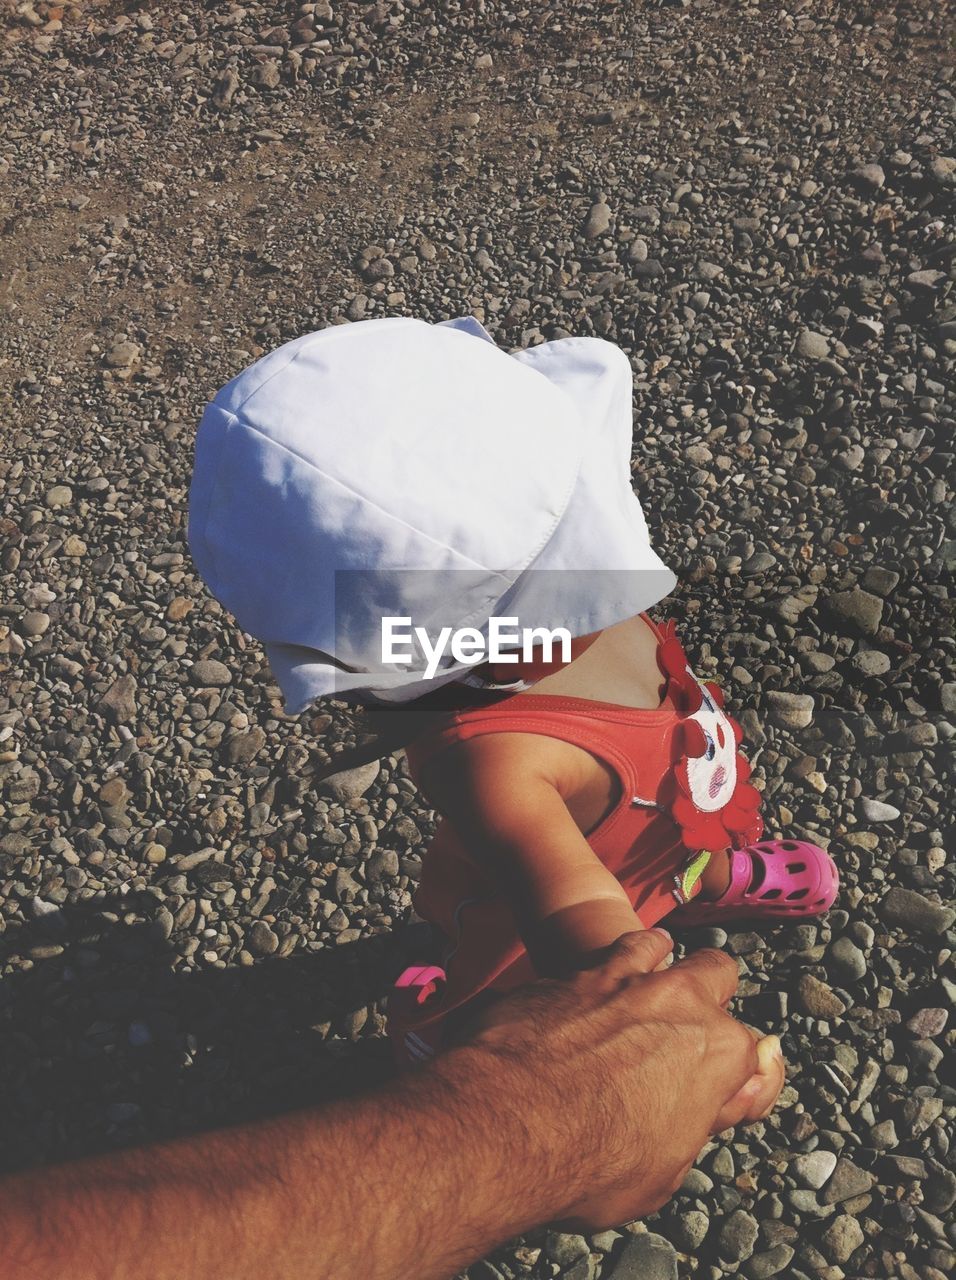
point(753, 199)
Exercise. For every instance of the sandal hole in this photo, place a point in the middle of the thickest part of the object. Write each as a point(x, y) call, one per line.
point(794, 867)
point(797, 893)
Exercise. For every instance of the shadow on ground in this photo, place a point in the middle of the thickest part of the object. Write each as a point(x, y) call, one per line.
point(106, 1043)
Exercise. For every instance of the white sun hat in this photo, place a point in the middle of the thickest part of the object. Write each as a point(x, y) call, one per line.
point(396, 468)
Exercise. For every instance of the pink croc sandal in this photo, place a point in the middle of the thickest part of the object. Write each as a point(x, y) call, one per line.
point(772, 880)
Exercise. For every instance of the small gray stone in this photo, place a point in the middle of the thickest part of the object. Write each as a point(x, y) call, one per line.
point(224, 89)
point(939, 1191)
point(344, 886)
point(804, 937)
point(926, 1023)
point(25, 788)
point(806, 1205)
point(604, 1240)
point(383, 864)
point(919, 735)
point(817, 999)
point(644, 1257)
point(759, 562)
point(863, 609)
point(260, 939)
point(791, 607)
point(910, 910)
point(190, 861)
point(918, 1115)
point(564, 1248)
point(925, 1056)
point(268, 75)
point(879, 580)
point(34, 623)
point(208, 673)
point(241, 748)
point(598, 221)
point(790, 710)
point(943, 170)
point(698, 1184)
point(852, 459)
point(763, 1265)
point(928, 280)
point(61, 495)
point(904, 1167)
point(879, 811)
point(122, 355)
point(883, 1136)
point(846, 961)
point(119, 700)
point(738, 1236)
point(16, 844)
point(814, 1168)
point(36, 597)
point(690, 1230)
point(351, 784)
point(584, 1269)
point(871, 662)
point(842, 1238)
point(745, 944)
point(815, 346)
point(869, 176)
point(708, 271)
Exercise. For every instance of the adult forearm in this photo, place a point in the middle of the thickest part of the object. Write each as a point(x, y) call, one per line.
point(413, 1182)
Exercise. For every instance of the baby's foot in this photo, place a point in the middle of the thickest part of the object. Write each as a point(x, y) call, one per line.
point(716, 878)
point(775, 879)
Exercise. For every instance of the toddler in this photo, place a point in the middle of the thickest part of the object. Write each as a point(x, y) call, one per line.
point(393, 473)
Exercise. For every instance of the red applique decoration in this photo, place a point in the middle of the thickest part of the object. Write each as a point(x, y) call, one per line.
point(707, 792)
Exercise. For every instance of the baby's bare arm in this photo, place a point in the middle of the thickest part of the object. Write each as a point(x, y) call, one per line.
point(513, 820)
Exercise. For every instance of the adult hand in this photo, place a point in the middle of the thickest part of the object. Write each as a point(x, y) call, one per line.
point(625, 1073)
point(584, 1098)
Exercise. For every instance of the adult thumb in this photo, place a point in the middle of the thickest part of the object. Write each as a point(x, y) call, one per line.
point(634, 953)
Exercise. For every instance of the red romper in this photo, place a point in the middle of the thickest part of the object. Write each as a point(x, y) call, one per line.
point(683, 789)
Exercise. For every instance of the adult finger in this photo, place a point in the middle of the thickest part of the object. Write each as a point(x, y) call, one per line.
point(636, 953)
point(772, 1073)
point(756, 1098)
point(714, 971)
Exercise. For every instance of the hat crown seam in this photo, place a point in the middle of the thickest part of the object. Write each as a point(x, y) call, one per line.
point(244, 424)
point(306, 343)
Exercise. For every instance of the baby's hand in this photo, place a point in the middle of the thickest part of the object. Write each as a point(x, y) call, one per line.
point(756, 1099)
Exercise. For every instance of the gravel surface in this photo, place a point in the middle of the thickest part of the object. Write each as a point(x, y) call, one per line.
point(755, 201)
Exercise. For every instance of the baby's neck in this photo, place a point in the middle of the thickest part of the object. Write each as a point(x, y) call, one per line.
point(619, 667)
point(537, 667)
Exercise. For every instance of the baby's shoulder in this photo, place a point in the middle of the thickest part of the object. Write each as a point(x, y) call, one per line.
point(499, 763)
